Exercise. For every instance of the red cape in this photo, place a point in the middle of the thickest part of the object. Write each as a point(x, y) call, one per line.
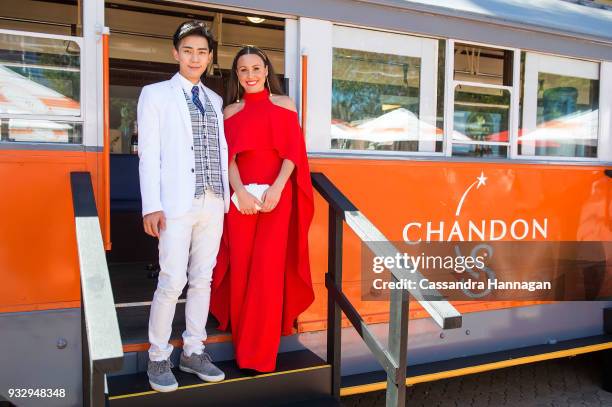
point(286, 137)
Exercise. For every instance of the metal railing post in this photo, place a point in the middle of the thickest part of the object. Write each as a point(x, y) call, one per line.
point(334, 314)
point(97, 387)
point(93, 378)
point(398, 346)
point(100, 337)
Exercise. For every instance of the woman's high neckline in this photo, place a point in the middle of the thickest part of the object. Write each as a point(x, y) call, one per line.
point(255, 96)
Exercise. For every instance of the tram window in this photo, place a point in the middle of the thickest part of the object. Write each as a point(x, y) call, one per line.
point(36, 130)
point(479, 64)
point(560, 108)
point(482, 99)
point(40, 89)
point(39, 76)
point(375, 102)
point(567, 117)
point(481, 114)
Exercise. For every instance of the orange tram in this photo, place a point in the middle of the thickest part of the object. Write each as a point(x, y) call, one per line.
point(424, 122)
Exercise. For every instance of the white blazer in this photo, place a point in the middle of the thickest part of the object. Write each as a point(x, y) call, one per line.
point(165, 148)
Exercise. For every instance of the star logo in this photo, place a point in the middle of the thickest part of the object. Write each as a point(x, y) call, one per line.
point(481, 180)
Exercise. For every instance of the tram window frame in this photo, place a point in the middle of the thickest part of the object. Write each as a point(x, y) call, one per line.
point(76, 121)
point(449, 100)
point(340, 38)
point(544, 63)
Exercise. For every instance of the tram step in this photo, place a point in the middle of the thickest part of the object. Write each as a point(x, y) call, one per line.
point(133, 291)
point(301, 376)
point(373, 381)
point(134, 325)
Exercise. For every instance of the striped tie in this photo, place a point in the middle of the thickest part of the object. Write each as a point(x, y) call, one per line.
point(195, 98)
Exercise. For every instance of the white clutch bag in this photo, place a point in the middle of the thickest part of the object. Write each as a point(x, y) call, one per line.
point(256, 190)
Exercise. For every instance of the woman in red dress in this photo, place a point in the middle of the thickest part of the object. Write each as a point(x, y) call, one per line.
point(262, 280)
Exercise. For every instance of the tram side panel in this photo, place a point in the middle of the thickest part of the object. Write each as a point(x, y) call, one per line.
point(40, 314)
point(557, 202)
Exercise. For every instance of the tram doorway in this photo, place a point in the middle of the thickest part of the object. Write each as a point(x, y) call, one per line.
point(140, 53)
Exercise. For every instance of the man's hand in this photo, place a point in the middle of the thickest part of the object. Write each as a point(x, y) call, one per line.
point(154, 223)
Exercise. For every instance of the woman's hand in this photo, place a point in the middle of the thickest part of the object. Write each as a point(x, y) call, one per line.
point(247, 202)
point(271, 196)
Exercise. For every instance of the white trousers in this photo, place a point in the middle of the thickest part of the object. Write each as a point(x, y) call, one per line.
point(188, 248)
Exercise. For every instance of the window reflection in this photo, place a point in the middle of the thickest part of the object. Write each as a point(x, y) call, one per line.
point(39, 76)
point(375, 103)
point(567, 118)
point(46, 131)
point(481, 114)
point(480, 150)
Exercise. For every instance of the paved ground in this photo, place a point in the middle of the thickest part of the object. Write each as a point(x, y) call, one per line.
point(564, 382)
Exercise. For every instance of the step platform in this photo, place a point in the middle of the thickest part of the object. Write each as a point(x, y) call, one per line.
point(134, 325)
point(301, 377)
point(374, 381)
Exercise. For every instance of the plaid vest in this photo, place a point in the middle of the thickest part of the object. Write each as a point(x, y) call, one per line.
point(207, 151)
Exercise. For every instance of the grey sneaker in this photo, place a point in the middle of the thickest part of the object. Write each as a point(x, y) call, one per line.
point(201, 365)
point(161, 377)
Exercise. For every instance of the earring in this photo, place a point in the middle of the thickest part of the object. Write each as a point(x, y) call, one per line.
point(269, 88)
point(237, 87)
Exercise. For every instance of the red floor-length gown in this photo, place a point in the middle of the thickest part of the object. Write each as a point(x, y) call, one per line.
point(262, 279)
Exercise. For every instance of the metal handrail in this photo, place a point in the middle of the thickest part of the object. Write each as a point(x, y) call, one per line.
point(101, 340)
point(393, 359)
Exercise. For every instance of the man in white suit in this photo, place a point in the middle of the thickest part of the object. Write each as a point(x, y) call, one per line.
point(185, 193)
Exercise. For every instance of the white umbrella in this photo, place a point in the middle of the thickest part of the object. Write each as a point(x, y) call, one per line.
point(20, 95)
point(575, 126)
point(397, 125)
